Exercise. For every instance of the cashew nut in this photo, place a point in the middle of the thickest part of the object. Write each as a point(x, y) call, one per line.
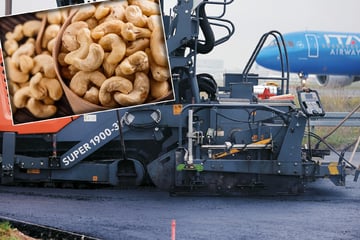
point(21, 97)
point(48, 101)
point(136, 62)
point(159, 73)
point(26, 63)
point(154, 21)
point(92, 22)
point(69, 36)
point(51, 45)
point(113, 26)
point(102, 10)
point(84, 13)
point(50, 33)
point(84, 39)
point(157, 45)
point(41, 15)
point(41, 87)
point(131, 32)
point(112, 86)
point(109, 68)
point(114, 43)
point(158, 89)
point(11, 45)
point(64, 14)
point(27, 48)
point(44, 63)
point(17, 34)
point(31, 28)
point(92, 61)
point(14, 72)
point(147, 7)
point(117, 11)
point(138, 45)
point(39, 109)
point(54, 17)
point(82, 81)
point(134, 15)
point(138, 95)
point(92, 95)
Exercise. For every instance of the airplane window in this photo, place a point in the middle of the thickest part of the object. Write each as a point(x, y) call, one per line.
point(290, 43)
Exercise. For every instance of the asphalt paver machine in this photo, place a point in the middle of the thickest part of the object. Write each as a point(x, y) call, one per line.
point(210, 139)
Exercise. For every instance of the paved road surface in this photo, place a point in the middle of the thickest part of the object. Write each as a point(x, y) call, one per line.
point(323, 212)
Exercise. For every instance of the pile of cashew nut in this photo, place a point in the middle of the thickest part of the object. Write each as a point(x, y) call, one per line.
point(30, 68)
point(113, 54)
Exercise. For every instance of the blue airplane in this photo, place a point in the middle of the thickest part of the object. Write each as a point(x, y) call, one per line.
point(334, 57)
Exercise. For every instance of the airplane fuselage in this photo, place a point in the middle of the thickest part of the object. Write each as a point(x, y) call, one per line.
point(320, 53)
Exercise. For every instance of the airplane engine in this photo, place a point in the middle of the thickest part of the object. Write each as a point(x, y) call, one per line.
point(334, 81)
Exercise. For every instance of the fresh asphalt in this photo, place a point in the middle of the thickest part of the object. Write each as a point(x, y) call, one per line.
point(324, 211)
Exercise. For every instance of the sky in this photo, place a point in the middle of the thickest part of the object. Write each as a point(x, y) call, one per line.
point(253, 18)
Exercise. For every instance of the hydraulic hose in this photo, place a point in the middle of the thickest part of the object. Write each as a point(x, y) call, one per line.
point(209, 43)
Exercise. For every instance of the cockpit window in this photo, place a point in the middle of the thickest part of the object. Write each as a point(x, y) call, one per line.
point(272, 43)
point(287, 44)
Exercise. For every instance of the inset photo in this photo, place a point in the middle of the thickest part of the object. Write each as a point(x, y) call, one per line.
point(84, 58)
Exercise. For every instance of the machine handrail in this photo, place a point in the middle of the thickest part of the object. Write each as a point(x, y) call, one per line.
point(218, 21)
point(184, 44)
point(282, 53)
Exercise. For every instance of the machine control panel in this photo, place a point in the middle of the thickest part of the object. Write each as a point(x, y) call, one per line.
point(310, 103)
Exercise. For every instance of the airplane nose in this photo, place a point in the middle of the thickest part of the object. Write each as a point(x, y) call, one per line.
point(268, 58)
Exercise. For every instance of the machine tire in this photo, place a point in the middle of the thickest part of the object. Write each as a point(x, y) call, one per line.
point(131, 171)
point(206, 84)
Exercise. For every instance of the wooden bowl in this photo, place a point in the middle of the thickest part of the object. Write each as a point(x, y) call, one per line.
point(77, 104)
